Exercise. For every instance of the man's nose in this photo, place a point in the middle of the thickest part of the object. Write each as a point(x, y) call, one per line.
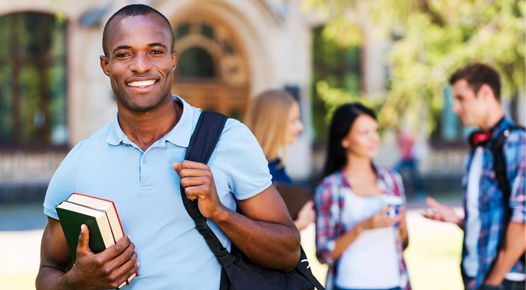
point(457, 109)
point(140, 64)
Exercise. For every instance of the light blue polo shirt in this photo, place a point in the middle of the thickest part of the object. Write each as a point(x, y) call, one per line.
point(145, 189)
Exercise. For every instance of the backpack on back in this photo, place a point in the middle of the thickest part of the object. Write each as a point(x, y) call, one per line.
point(499, 166)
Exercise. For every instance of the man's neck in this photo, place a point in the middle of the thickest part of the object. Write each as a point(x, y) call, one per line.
point(144, 128)
point(494, 116)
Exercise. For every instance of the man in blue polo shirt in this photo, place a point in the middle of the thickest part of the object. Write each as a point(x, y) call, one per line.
point(135, 161)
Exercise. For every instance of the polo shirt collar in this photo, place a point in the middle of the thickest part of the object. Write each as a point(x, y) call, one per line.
point(115, 134)
point(179, 135)
point(182, 132)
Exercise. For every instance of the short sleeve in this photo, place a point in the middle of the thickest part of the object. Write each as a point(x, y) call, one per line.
point(245, 162)
point(62, 184)
point(516, 161)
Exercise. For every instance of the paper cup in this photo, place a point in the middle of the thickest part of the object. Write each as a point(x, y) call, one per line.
point(393, 203)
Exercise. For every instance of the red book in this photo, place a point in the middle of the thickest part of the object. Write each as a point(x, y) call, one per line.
point(109, 208)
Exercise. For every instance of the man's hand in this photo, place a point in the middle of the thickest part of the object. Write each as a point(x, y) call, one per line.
point(442, 213)
point(105, 270)
point(198, 182)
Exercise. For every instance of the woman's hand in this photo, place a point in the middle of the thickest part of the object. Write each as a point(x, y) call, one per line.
point(306, 215)
point(379, 220)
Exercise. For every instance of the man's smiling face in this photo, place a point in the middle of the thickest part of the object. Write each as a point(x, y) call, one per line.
point(140, 61)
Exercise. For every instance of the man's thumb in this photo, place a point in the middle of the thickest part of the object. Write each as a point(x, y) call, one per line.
point(83, 246)
point(177, 167)
point(431, 202)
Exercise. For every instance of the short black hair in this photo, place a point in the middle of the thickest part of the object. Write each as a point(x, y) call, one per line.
point(133, 10)
point(478, 74)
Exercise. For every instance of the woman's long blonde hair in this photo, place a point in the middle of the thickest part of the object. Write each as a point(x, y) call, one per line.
point(267, 117)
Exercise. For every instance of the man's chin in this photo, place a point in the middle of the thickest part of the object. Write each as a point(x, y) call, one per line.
point(467, 123)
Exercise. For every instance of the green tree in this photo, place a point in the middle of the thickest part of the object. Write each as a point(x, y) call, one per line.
point(431, 39)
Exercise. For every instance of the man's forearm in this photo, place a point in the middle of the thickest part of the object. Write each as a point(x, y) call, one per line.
point(268, 244)
point(50, 278)
point(515, 246)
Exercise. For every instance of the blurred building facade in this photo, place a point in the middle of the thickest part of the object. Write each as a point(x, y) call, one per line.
point(53, 93)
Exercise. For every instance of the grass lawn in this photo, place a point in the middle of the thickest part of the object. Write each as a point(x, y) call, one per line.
point(432, 259)
point(433, 262)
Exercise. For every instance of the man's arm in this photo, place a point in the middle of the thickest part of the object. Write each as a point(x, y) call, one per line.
point(515, 246)
point(104, 270)
point(265, 233)
point(442, 213)
point(515, 234)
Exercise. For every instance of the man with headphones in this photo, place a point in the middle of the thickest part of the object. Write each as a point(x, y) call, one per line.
point(494, 185)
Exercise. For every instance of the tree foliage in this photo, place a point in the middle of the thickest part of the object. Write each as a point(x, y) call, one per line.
point(430, 40)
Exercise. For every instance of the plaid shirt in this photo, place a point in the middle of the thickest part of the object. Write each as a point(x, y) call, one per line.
point(329, 204)
point(490, 197)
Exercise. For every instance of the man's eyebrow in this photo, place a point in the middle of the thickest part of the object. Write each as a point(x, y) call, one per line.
point(121, 47)
point(157, 44)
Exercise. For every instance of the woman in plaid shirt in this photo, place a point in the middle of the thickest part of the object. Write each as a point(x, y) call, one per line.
point(362, 245)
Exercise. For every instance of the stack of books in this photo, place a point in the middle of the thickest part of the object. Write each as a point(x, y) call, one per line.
point(101, 218)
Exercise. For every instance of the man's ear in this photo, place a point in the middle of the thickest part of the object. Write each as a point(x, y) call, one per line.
point(105, 65)
point(174, 59)
point(486, 93)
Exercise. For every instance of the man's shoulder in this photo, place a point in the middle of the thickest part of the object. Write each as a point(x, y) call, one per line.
point(94, 141)
point(515, 138)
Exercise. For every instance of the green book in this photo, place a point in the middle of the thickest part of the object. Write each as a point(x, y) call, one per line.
point(72, 216)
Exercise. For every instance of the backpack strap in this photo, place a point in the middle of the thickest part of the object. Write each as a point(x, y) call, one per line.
point(304, 268)
point(500, 168)
point(200, 149)
point(202, 144)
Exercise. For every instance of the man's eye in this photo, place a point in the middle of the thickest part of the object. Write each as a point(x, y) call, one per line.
point(122, 54)
point(156, 52)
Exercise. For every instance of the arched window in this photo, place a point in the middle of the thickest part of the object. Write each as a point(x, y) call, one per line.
point(196, 62)
point(33, 80)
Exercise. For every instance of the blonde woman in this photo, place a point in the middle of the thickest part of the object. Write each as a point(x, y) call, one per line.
point(274, 118)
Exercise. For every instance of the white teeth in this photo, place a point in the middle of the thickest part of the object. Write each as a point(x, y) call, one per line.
point(141, 84)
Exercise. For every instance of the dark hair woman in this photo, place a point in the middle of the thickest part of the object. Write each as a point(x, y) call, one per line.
point(360, 227)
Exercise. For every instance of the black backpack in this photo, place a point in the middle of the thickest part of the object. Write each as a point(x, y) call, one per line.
point(499, 166)
point(238, 272)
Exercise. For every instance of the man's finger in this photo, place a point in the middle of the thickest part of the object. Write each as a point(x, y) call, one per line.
point(124, 257)
point(194, 181)
point(186, 172)
point(429, 213)
point(115, 250)
point(431, 202)
point(177, 167)
point(83, 245)
point(194, 191)
point(123, 263)
point(186, 164)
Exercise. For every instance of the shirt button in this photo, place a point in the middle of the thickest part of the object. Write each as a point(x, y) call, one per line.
point(144, 161)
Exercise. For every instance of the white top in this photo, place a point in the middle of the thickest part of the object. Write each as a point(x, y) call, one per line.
point(373, 254)
point(473, 224)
